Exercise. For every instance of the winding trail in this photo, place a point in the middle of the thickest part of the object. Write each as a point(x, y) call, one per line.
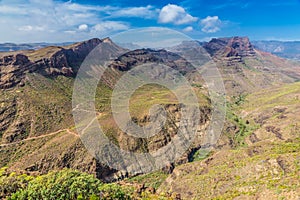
point(41, 136)
point(56, 132)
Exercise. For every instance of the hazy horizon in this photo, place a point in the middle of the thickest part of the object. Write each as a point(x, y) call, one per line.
point(53, 21)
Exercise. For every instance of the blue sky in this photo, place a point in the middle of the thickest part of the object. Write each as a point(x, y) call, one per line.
point(58, 21)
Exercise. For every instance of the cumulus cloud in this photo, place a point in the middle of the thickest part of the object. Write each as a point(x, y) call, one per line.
point(211, 24)
point(176, 15)
point(83, 27)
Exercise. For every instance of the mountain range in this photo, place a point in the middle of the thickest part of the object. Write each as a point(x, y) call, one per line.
point(284, 49)
point(289, 50)
point(257, 154)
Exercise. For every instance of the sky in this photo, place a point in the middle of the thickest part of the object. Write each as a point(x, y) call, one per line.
point(25, 21)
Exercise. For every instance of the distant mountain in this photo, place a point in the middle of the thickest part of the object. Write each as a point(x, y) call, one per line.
point(5, 47)
point(289, 50)
point(246, 69)
point(129, 45)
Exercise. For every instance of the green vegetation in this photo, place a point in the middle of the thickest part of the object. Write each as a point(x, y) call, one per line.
point(244, 127)
point(154, 179)
point(64, 184)
point(11, 183)
point(244, 172)
point(68, 184)
point(201, 154)
point(147, 96)
point(270, 98)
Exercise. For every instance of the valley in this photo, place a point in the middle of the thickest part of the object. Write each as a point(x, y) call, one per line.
point(256, 157)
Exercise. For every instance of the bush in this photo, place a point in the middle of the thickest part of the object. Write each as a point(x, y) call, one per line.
point(68, 184)
point(11, 183)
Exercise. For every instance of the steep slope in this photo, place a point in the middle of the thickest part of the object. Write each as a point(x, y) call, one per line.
point(50, 61)
point(267, 168)
point(246, 69)
point(276, 111)
point(35, 107)
point(37, 87)
point(36, 120)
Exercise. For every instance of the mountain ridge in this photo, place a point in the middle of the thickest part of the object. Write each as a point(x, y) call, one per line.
point(36, 93)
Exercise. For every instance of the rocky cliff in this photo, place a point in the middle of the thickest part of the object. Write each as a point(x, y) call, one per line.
point(48, 61)
point(246, 69)
point(230, 47)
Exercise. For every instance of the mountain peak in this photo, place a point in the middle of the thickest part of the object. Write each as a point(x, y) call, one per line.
point(91, 43)
point(107, 40)
point(230, 47)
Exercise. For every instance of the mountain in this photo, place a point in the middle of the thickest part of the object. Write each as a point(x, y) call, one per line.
point(36, 117)
point(246, 69)
point(6, 47)
point(130, 46)
point(289, 50)
point(38, 133)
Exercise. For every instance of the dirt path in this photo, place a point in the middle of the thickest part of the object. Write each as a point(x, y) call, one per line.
point(56, 132)
point(39, 137)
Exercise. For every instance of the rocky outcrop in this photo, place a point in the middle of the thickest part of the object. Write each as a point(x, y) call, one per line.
point(137, 57)
point(67, 61)
point(230, 47)
point(12, 69)
point(63, 61)
point(141, 56)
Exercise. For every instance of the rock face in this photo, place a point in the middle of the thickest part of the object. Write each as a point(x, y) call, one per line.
point(12, 69)
point(245, 69)
point(53, 62)
point(230, 47)
point(137, 57)
point(141, 56)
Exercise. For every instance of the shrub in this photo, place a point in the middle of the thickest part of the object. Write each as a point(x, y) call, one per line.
point(68, 184)
point(11, 183)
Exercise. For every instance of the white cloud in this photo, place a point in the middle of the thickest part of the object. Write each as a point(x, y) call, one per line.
point(109, 26)
point(83, 27)
point(31, 28)
point(58, 21)
point(188, 29)
point(211, 24)
point(175, 14)
point(70, 32)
